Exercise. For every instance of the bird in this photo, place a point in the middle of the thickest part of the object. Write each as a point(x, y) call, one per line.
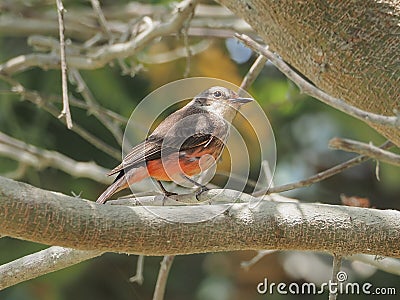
point(186, 143)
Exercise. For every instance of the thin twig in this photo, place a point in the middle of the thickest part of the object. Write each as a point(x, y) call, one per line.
point(94, 108)
point(18, 172)
point(253, 72)
point(365, 149)
point(260, 254)
point(65, 111)
point(166, 264)
point(80, 19)
point(86, 135)
point(107, 53)
point(313, 91)
point(185, 32)
point(174, 54)
point(91, 103)
point(37, 99)
point(336, 265)
point(102, 19)
point(29, 155)
point(139, 271)
point(319, 176)
point(53, 98)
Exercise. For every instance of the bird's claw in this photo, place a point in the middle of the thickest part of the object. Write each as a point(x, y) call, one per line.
point(200, 191)
point(168, 194)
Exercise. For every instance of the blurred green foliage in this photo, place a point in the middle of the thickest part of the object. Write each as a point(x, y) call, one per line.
point(302, 128)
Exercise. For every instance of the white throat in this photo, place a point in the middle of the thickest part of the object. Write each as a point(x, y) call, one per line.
point(222, 110)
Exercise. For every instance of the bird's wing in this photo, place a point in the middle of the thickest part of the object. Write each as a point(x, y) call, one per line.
point(151, 150)
point(139, 154)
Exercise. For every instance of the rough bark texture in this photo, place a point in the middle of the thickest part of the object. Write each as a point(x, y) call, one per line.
point(350, 49)
point(51, 218)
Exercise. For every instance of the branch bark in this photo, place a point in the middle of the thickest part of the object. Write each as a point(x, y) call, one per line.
point(307, 88)
point(64, 82)
point(51, 218)
point(43, 262)
point(365, 149)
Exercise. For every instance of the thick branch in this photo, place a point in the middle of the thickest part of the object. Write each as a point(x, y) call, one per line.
point(347, 48)
point(311, 90)
point(51, 218)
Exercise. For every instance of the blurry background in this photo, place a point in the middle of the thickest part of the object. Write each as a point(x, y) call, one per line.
point(302, 128)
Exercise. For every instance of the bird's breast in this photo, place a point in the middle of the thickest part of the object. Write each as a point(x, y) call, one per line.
point(188, 162)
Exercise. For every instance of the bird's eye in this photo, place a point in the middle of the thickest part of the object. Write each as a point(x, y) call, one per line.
point(217, 94)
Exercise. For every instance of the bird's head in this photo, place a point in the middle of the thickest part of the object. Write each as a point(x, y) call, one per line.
point(221, 101)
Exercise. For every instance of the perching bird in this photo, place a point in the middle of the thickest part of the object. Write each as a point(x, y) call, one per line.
point(186, 143)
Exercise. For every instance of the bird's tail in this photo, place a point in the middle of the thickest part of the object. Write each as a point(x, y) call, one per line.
point(119, 184)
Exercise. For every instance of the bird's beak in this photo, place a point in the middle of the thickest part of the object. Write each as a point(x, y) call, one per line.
point(242, 100)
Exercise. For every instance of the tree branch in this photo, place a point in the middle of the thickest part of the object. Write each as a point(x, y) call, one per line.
point(138, 277)
point(76, 223)
point(64, 83)
point(40, 159)
point(359, 66)
point(82, 20)
point(253, 72)
point(311, 90)
point(336, 265)
point(37, 99)
point(368, 150)
point(102, 20)
point(319, 176)
point(43, 262)
point(166, 264)
point(87, 95)
point(386, 264)
point(100, 56)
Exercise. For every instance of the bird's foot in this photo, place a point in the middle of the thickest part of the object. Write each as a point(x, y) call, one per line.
point(168, 194)
point(200, 191)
